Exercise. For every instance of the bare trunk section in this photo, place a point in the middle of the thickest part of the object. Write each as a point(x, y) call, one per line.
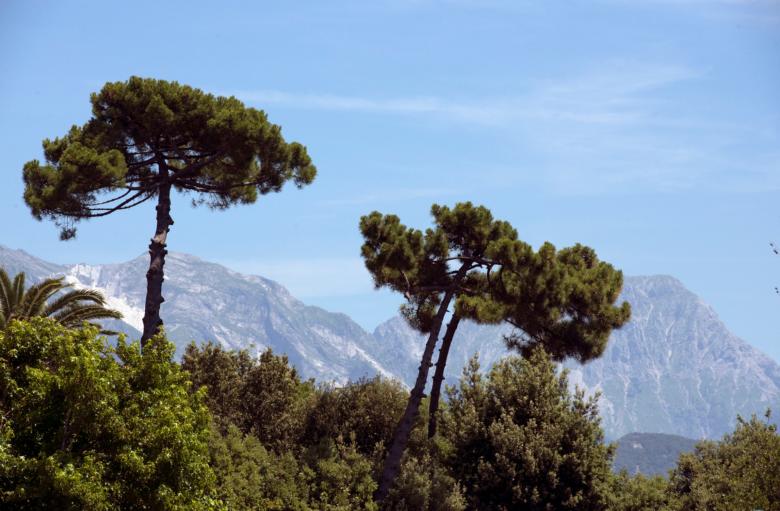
point(438, 375)
point(404, 428)
point(157, 252)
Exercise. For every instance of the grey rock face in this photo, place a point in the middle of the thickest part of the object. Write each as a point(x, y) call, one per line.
point(675, 368)
point(15, 261)
point(206, 301)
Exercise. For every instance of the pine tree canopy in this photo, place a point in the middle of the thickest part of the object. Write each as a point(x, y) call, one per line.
point(147, 136)
point(145, 133)
point(560, 300)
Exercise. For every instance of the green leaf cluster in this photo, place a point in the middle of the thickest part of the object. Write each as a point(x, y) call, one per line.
point(364, 411)
point(424, 482)
point(249, 477)
point(263, 396)
point(87, 426)
point(640, 493)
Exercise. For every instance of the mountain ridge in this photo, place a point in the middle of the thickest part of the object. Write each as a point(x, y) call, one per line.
point(674, 368)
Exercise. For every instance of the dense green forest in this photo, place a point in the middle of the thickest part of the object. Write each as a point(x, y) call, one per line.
point(86, 423)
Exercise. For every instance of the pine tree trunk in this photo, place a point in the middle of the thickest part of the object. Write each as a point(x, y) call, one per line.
point(438, 375)
point(157, 252)
point(404, 428)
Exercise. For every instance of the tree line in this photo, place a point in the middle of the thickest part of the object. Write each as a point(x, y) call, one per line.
point(88, 424)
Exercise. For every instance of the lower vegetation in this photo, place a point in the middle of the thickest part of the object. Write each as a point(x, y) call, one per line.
point(89, 424)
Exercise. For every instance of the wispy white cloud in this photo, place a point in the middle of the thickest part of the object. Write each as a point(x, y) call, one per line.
point(621, 126)
point(602, 97)
point(421, 105)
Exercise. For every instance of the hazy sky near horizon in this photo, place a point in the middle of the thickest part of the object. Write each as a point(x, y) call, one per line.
point(647, 129)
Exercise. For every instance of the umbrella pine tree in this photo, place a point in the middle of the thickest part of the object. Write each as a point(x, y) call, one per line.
point(562, 300)
point(148, 137)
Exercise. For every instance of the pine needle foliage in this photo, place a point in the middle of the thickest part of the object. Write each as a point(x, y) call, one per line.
point(147, 137)
point(562, 300)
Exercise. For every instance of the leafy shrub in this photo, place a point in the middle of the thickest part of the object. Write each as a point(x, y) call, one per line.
point(87, 426)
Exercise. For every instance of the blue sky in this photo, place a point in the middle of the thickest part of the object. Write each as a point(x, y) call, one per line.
point(648, 129)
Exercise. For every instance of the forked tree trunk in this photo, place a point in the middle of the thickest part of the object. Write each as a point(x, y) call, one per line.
point(438, 375)
point(404, 428)
point(157, 252)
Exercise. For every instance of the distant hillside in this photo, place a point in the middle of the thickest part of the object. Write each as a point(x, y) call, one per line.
point(650, 453)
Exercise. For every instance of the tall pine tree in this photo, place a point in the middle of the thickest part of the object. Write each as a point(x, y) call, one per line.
point(147, 137)
point(563, 300)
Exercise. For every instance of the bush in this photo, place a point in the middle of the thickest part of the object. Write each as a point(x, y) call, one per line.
point(740, 472)
point(367, 411)
point(87, 426)
point(521, 441)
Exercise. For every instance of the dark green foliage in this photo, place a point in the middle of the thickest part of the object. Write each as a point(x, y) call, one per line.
point(87, 426)
point(365, 411)
point(332, 477)
point(275, 401)
point(249, 477)
point(280, 444)
point(144, 133)
point(560, 300)
point(71, 308)
point(263, 396)
point(146, 137)
point(521, 441)
point(639, 493)
point(341, 478)
point(424, 483)
point(223, 374)
point(742, 471)
point(650, 453)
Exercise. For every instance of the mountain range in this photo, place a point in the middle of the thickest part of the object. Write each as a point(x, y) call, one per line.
point(675, 368)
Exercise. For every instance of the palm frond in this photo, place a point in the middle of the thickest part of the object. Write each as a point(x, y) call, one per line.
point(79, 295)
point(36, 297)
point(76, 314)
point(18, 289)
point(72, 308)
point(5, 297)
point(103, 331)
